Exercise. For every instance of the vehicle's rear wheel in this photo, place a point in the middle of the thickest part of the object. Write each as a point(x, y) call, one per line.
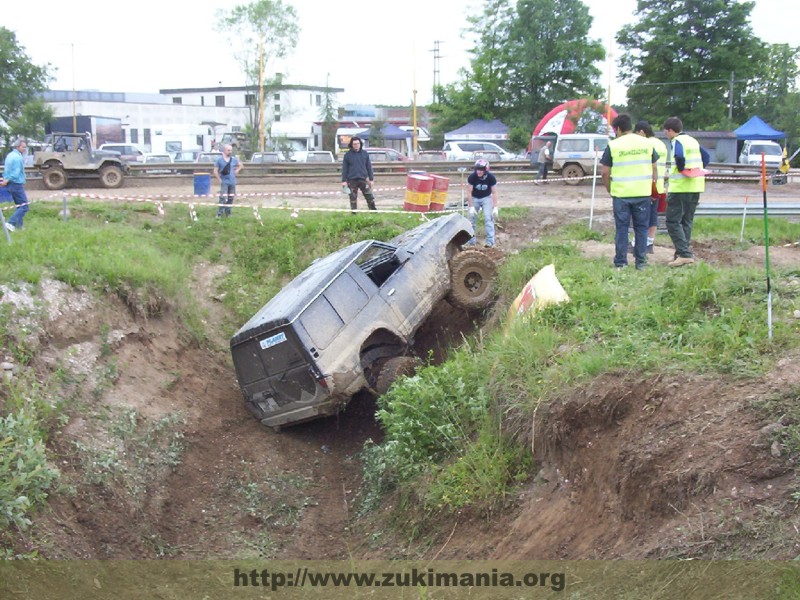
point(111, 176)
point(472, 275)
point(572, 174)
point(54, 178)
point(392, 370)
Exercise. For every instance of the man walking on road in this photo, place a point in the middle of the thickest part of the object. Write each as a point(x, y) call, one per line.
point(628, 174)
point(686, 182)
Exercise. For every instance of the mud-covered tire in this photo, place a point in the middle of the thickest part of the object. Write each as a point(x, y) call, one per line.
point(111, 176)
point(54, 178)
point(472, 277)
point(392, 369)
point(572, 174)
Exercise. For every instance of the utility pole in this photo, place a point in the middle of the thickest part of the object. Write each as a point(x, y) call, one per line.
point(730, 98)
point(436, 78)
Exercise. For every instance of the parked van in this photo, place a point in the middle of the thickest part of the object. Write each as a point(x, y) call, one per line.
point(752, 149)
point(575, 154)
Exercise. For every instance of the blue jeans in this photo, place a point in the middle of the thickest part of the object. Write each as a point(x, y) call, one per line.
point(226, 194)
point(485, 205)
point(626, 209)
point(17, 192)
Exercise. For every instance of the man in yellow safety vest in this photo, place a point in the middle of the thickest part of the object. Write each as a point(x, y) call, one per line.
point(628, 174)
point(686, 182)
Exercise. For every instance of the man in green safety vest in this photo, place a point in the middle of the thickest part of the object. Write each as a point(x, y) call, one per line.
point(628, 174)
point(687, 180)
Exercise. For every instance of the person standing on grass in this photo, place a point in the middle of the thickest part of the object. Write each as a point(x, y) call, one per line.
point(357, 173)
point(644, 129)
point(14, 181)
point(628, 174)
point(686, 182)
point(226, 168)
point(482, 197)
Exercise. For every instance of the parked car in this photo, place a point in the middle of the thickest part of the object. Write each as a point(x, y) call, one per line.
point(752, 149)
point(575, 154)
point(186, 156)
point(127, 152)
point(465, 150)
point(385, 155)
point(161, 160)
point(266, 157)
point(431, 155)
point(208, 157)
point(347, 322)
point(318, 156)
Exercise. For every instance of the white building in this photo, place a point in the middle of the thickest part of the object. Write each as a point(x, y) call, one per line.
point(293, 113)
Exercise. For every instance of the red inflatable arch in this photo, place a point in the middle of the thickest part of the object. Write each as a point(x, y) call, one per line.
point(568, 117)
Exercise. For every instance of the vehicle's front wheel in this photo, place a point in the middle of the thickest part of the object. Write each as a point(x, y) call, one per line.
point(392, 370)
point(111, 176)
point(54, 178)
point(572, 174)
point(472, 275)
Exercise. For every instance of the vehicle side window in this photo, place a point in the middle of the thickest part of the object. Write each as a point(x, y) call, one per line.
point(322, 322)
point(346, 297)
point(471, 147)
point(601, 144)
point(447, 147)
point(574, 145)
point(378, 263)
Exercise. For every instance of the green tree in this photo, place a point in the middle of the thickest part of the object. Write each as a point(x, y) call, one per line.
point(22, 111)
point(550, 57)
point(263, 31)
point(777, 77)
point(328, 115)
point(678, 59)
point(528, 56)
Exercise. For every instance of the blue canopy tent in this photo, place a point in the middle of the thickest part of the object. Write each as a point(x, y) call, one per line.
point(479, 130)
point(394, 137)
point(756, 129)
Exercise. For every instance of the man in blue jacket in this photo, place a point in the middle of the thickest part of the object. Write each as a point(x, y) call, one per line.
point(14, 181)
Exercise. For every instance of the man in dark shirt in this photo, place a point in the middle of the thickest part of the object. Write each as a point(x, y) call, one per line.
point(357, 173)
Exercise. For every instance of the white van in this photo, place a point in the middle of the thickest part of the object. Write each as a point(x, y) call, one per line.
point(574, 155)
point(752, 149)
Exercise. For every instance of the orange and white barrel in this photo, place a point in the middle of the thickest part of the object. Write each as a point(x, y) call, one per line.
point(418, 192)
point(439, 193)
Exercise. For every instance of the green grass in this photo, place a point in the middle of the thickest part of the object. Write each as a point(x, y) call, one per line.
point(452, 431)
point(450, 426)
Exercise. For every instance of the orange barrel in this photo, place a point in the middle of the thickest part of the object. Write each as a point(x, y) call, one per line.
point(439, 193)
point(418, 192)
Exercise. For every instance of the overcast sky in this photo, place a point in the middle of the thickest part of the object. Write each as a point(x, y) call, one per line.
point(378, 51)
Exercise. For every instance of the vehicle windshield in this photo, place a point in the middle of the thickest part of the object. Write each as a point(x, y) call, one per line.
point(767, 149)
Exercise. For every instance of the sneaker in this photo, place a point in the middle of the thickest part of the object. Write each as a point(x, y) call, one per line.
point(10, 227)
point(488, 246)
point(641, 266)
point(680, 261)
point(620, 267)
point(650, 249)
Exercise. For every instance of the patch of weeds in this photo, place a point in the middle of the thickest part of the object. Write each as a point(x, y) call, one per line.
point(107, 376)
point(173, 382)
point(261, 545)
point(256, 497)
point(136, 453)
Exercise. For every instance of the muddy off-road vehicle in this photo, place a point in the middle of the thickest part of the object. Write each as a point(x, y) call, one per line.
point(347, 322)
point(71, 156)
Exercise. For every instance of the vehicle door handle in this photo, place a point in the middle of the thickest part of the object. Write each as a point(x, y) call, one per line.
point(390, 292)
